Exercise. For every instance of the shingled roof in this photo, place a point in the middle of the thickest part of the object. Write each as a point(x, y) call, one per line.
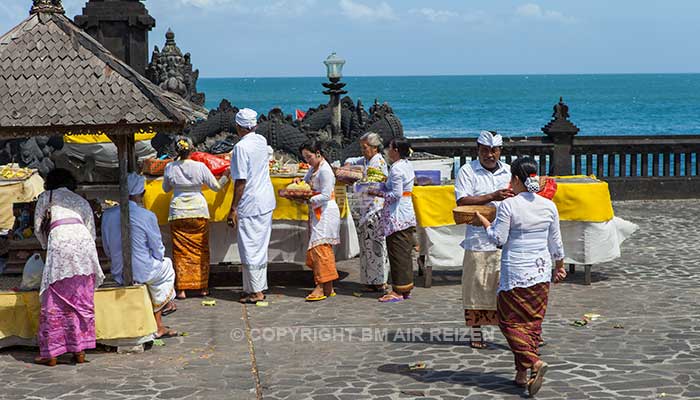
point(55, 79)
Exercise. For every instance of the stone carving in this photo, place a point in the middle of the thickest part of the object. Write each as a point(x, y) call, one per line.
point(47, 6)
point(285, 134)
point(561, 110)
point(172, 71)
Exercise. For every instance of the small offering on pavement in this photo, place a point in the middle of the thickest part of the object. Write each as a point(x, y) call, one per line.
point(467, 214)
point(209, 303)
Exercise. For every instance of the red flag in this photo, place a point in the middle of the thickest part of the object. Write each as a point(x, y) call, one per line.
point(300, 115)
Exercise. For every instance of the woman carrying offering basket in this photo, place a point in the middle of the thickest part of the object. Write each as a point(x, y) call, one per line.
point(374, 264)
point(527, 226)
point(324, 221)
point(399, 220)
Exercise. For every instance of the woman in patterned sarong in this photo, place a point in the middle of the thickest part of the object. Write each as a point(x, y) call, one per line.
point(189, 218)
point(527, 226)
point(72, 271)
point(374, 262)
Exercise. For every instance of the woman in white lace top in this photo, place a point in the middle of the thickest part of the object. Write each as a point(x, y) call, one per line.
point(72, 272)
point(527, 227)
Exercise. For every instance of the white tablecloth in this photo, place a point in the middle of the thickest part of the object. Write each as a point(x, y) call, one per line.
point(584, 242)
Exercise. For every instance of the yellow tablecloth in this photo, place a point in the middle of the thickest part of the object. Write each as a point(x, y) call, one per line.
point(576, 201)
point(17, 192)
point(120, 313)
point(158, 201)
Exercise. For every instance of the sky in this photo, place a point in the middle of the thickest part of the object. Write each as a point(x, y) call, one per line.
point(282, 38)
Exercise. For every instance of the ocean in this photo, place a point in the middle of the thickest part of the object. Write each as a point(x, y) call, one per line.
point(513, 105)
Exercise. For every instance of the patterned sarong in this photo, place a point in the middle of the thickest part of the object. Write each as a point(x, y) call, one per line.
point(374, 263)
point(67, 317)
point(399, 246)
point(191, 253)
point(322, 261)
point(520, 315)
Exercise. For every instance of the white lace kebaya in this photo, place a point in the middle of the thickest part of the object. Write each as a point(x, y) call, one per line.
point(527, 226)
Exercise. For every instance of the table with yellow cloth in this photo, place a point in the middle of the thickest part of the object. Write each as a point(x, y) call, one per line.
point(289, 224)
point(590, 231)
point(22, 191)
point(122, 315)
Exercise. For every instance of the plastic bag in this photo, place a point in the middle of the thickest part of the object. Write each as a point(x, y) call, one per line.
point(216, 165)
point(32, 273)
point(549, 188)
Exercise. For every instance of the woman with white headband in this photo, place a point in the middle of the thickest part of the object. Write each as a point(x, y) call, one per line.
point(527, 227)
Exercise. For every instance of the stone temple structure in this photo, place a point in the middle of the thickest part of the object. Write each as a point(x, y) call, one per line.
point(172, 71)
point(121, 26)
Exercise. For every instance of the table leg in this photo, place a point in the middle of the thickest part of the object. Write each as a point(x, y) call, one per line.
point(587, 276)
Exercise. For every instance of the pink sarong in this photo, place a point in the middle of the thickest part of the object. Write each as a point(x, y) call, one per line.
point(67, 318)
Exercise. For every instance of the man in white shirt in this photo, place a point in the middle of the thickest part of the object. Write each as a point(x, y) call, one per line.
point(253, 203)
point(148, 261)
point(484, 181)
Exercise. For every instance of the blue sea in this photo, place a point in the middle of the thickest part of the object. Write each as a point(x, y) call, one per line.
point(514, 105)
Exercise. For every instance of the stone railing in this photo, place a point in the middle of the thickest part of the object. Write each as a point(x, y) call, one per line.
point(635, 167)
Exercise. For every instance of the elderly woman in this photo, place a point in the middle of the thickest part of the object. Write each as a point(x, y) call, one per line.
point(65, 227)
point(399, 221)
point(527, 226)
point(324, 221)
point(374, 264)
point(189, 218)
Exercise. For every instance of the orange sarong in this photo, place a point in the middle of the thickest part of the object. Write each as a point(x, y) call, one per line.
point(322, 261)
point(191, 253)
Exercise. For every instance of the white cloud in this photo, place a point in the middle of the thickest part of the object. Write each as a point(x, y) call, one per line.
point(532, 10)
point(355, 10)
point(253, 7)
point(434, 15)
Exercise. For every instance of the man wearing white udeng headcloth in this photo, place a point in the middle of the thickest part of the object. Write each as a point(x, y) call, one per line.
point(484, 181)
point(253, 202)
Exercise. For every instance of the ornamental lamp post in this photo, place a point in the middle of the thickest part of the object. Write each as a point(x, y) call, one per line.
point(334, 71)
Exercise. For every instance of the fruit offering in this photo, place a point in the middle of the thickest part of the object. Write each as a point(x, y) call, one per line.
point(375, 175)
point(302, 185)
point(15, 173)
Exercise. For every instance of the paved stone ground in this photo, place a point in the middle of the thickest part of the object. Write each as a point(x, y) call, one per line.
point(316, 351)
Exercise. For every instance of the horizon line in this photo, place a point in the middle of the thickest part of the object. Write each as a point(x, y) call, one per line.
point(452, 75)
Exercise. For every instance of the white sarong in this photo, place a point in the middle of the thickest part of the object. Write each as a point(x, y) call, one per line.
point(253, 241)
point(162, 286)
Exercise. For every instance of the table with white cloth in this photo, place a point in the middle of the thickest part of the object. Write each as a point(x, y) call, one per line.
point(590, 232)
point(289, 240)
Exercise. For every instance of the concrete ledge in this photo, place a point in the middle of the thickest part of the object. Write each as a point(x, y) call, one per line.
point(653, 188)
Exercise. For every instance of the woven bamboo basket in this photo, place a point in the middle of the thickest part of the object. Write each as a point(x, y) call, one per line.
point(467, 214)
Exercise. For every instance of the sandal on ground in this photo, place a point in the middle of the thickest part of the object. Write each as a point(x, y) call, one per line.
point(374, 288)
point(391, 298)
point(79, 357)
point(479, 345)
point(250, 300)
point(49, 362)
point(523, 382)
point(170, 308)
point(536, 378)
point(316, 298)
point(168, 334)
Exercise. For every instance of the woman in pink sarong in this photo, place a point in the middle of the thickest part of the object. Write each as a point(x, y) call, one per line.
point(71, 274)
